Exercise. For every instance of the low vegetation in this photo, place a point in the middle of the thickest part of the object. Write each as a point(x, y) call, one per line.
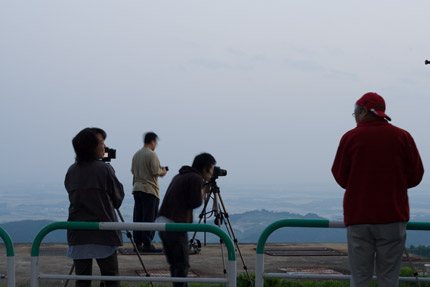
point(242, 281)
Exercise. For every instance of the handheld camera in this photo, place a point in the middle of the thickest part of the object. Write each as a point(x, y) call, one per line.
point(110, 153)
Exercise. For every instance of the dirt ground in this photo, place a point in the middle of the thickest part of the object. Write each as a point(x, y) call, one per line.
point(207, 263)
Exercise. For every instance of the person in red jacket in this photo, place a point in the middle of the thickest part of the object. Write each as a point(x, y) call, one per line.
point(376, 163)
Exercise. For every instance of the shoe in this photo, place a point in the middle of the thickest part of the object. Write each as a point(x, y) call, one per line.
point(150, 248)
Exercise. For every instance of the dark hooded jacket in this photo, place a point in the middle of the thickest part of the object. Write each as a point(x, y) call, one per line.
point(94, 194)
point(182, 196)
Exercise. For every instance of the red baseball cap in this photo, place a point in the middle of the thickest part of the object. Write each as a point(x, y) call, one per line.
point(374, 103)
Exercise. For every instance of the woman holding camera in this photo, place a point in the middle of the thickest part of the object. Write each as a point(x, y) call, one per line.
point(94, 194)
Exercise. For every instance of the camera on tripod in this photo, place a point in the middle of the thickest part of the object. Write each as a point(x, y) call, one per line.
point(221, 217)
point(110, 153)
point(218, 172)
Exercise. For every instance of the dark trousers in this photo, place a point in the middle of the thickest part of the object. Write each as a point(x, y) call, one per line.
point(108, 266)
point(175, 246)
point(145, 210)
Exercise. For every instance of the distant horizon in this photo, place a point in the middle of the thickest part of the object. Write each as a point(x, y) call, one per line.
point(51, 202)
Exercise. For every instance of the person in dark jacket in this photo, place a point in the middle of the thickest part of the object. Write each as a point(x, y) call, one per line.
point(94, 194)
point(376, 163)
point(185, 192)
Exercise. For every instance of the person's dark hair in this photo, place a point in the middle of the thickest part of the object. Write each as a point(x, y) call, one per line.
point(85, 144)
point(149, 137)
point(203, 161)
point(358, 109)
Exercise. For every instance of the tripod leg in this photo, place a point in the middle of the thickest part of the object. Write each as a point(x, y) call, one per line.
point(204, 233)
point(414, 271)
point(229, 226)
point(135, 248)
point(202, 214)
point(218, 222)
point(70, 273)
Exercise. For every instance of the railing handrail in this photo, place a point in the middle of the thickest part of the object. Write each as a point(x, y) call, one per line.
point(8, 242)
point(418, 226)
point(10, 253)
point(231, 280)
point(72, 225)
point(287, 223)
point(81, 225)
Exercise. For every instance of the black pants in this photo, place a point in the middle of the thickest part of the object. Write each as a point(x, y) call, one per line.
point(175, 246)
point(108, 266)
point(145, 210)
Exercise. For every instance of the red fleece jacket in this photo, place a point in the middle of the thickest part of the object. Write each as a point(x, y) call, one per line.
point(376, 163)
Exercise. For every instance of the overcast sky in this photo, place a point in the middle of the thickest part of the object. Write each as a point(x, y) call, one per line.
point(267, 87)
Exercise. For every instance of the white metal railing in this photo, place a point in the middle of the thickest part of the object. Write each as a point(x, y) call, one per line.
point(231, 268)
point(259, 263)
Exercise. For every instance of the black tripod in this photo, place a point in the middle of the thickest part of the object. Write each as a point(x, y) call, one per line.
point(128, 233)
point(221, 217)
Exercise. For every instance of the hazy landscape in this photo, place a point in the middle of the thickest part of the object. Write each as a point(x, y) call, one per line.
point(51, 202)
point(249, 215)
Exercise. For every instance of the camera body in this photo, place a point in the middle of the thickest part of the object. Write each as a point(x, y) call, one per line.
point(110, 153)
point(218, 172)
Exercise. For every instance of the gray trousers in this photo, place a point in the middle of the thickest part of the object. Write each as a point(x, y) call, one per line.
point(379, 247)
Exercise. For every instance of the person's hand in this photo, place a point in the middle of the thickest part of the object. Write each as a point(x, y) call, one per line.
point(163, 171)
point(206, 187)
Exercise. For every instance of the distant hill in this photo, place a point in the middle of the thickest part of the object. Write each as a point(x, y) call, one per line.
point(247, 227)
point(26, 230)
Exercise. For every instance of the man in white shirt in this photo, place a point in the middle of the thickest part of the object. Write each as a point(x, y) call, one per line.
point(146, 169)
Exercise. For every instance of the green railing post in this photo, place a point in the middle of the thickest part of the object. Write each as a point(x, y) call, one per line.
point(60, 225)
point(10, 253)
point(290, 223)
point(205, 228)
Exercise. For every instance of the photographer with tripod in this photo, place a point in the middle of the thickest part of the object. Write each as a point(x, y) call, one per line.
point(94, 194)
point(186, 192)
